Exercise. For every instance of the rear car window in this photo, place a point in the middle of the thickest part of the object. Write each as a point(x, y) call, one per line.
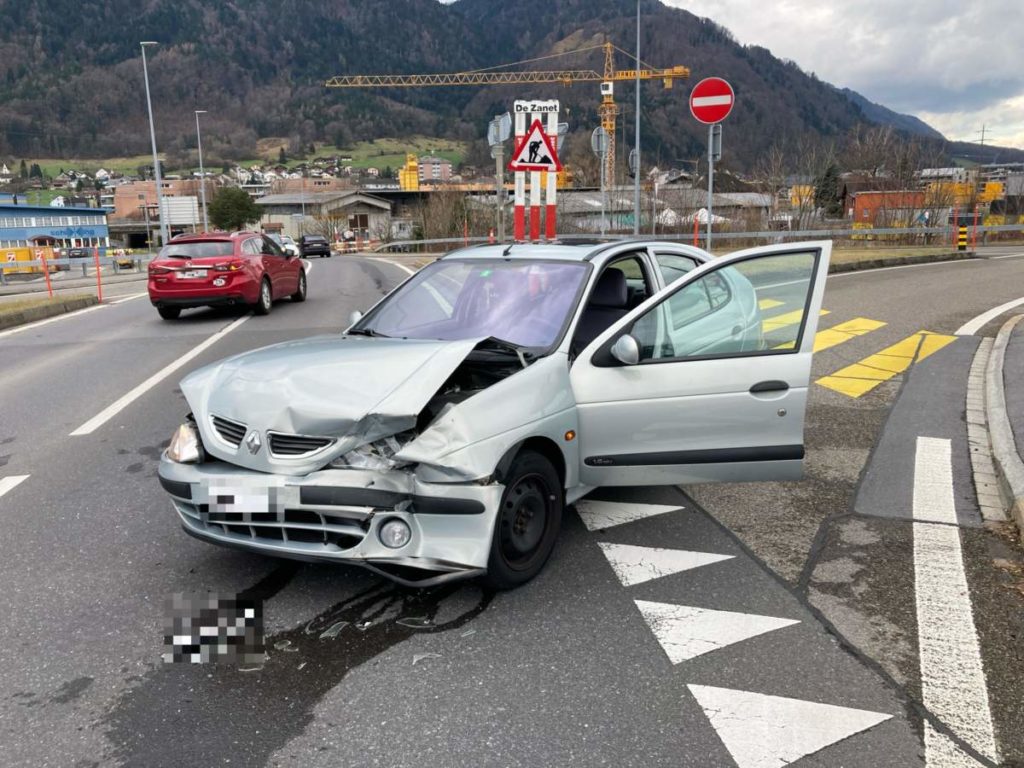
point(197, 249)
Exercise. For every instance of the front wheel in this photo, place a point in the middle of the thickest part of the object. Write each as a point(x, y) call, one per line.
point(300, 290)
point(264, 302)
point(529, 519)
point(169, 313)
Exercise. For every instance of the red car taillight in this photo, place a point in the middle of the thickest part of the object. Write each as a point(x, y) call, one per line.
point(158, 270)
point(229, 266)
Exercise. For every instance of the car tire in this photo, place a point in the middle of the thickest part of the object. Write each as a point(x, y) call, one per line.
point(300, 291)
point(528, 522)
point(169, 313)
point(265, 300)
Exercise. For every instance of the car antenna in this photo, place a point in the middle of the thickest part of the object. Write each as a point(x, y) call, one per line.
point(507, 250)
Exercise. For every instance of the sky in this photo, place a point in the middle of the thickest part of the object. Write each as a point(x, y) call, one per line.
point(957, 65)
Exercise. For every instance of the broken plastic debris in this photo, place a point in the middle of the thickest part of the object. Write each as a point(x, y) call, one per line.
point(469, 632)
point(300, 667)
point(285, 645)
point(420, 656)
point(415, 622)
point(362, 626)
point(333, 630)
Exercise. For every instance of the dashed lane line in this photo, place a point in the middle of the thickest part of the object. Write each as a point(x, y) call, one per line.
point(119, 405)
point(953, 686)
point(863, 376)
point(11, 482)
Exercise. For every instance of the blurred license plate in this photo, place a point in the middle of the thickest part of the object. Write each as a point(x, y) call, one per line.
point(194, 273)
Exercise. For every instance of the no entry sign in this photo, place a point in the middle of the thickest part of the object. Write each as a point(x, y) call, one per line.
point(711, 100)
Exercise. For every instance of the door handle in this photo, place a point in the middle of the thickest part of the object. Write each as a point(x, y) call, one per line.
point(769, 386)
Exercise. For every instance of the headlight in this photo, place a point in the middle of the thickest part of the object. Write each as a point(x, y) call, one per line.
point(185, 447)
point(376, 455)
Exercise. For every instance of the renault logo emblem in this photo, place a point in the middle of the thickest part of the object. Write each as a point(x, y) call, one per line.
point(253, 442)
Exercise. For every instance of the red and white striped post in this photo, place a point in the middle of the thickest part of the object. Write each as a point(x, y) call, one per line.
point(99, 278)
point(550, 214)
point(519, 214)
point(535, 192)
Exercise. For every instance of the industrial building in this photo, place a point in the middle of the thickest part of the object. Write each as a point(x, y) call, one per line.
point(28, 225)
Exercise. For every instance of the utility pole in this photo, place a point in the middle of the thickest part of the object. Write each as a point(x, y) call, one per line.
point(202, 174)
point(636, 177)
point(156, 161)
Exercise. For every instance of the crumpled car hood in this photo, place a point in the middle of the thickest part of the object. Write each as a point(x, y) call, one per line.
point(356, 388)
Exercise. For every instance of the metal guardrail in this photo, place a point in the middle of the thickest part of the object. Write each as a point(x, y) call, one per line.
point(86, 263)
point(946, 232)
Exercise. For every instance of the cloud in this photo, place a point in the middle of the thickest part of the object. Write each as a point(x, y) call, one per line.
point(946, 61)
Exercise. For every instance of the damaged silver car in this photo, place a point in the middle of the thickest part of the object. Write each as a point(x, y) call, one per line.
point(443, 433)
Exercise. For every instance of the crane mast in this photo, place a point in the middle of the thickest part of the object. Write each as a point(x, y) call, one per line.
point(608, 110)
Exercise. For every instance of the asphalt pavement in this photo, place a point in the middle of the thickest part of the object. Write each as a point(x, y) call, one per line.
point(753, 625)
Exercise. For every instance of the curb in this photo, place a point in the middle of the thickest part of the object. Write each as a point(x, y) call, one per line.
point(1007, 460)
point(899, 261)
point(32, 314)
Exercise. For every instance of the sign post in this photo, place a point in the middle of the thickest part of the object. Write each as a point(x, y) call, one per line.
point(535, 151)
point(498, 132)
point(711, 101)
point(599, 144)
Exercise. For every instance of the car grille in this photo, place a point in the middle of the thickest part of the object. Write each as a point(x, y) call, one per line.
point(230, 431)
point(291, 446)
point(292, 525)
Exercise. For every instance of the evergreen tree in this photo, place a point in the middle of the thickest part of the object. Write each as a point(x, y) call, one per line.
point(23, 170)
point(826, 192)
point(232, 208)
point(36, 172)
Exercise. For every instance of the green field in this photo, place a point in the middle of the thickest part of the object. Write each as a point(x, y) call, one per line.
point(378, 153)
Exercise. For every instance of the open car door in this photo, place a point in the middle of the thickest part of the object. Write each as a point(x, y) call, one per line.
point(707, 380)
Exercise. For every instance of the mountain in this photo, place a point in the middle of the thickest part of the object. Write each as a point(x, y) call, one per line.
point(69, 88)
point(876, 113)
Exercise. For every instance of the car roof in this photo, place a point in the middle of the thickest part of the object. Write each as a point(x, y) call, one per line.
point(579, 251)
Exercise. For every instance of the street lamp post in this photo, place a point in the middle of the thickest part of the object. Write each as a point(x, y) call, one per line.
point(145, 212)
point(636, 134)
point(202, 174)
point(156, 161)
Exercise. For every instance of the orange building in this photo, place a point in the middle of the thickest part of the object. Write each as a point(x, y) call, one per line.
point(888, 208)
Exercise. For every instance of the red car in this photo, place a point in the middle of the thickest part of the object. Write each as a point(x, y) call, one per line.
point(223, 268)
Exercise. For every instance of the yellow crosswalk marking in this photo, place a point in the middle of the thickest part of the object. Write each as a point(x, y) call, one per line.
point(862, 377)
point(769, 303)
point(770, 324)
point(851, 329)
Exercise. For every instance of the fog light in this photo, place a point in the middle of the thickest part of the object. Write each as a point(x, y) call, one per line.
point(219, 282)
point(394, 534)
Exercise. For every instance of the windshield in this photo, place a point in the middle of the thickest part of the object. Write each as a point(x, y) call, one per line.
point(197, 250)
point(525, 303)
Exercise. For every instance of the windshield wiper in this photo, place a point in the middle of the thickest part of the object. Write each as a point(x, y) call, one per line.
point(367, 332)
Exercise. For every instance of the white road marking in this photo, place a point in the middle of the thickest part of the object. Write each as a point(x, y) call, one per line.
point(12, 482)
point(129, 298)
point(112, 410)
point(635, 565)
point(952, 677)
point(686, 632)
point(598, 515)
point(975, 324)
point(47, 321)
point(763, 731)
point(394, 264)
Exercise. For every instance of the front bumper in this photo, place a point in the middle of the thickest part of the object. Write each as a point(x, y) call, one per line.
point(333, 515)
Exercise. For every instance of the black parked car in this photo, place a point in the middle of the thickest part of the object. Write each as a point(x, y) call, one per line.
point(314, 245)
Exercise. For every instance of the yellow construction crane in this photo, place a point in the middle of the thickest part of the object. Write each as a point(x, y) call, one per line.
point(608, 109)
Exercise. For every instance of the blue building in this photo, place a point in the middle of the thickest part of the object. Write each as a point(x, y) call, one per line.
point(27, 225)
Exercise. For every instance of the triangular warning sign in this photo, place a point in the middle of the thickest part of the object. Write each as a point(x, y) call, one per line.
point(536, 152)
point(763, 731)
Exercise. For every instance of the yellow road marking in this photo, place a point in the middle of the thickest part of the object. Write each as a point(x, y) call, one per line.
point(781, 321)
point(862, 377)
point(851, 329)
point(769, 303)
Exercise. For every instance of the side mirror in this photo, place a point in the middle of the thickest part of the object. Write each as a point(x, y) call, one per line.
point(626, 350)
point(355, 317)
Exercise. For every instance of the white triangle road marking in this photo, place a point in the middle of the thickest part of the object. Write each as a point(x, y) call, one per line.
point(11, 482)
point(686, 632)
point(763, 731)
point(598, 515)
point(635, 565)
